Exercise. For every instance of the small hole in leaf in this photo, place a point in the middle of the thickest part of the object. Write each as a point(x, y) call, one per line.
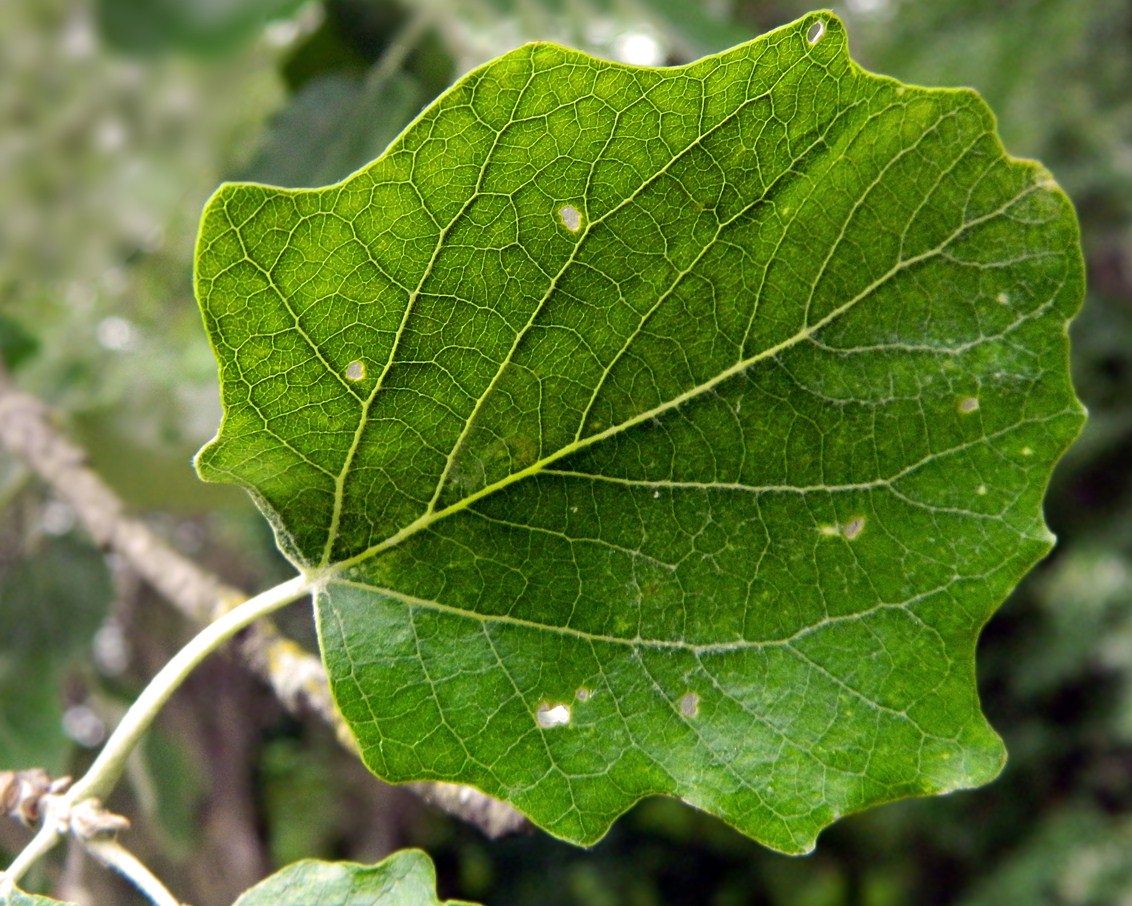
point(853, 528)
point(571, 217)
point(968, 404)
point(689, 704)
point(548, 716)
point(583, 695)
point(355, 371)
point(814, 32)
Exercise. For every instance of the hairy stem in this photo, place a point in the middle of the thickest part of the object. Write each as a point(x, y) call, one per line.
point(104, 773)
point(99, 780)
point(41, 844)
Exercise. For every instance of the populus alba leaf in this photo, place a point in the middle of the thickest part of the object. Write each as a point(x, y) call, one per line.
point(658, 431)
point(406, 878)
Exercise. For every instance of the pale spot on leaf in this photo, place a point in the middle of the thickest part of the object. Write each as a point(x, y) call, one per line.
point(548, 716)
point(1003, 298)
point(981, 490)
point(571, 217)
point(583, 694)
point(689, 704)
point(848, 530)
point(968, 405)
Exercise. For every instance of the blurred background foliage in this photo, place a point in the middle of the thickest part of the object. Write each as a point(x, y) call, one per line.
point(117, 120)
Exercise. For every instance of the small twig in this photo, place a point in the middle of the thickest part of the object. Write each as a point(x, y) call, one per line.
point(492, 816)
point(111, 853)
point(399, 47)
point(22, 792)
point(41, 844)
point(26, 429)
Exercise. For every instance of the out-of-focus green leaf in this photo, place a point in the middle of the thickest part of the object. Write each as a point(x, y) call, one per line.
point(19, 898)
point(50, 607)
point(301, 800)
point(17, 344)
point(406, 878)
point(334, 125)
point(658, 431)
point(201, 26)
point(1077, 857)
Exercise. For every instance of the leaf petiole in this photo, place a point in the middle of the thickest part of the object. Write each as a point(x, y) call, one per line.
point(100, 779)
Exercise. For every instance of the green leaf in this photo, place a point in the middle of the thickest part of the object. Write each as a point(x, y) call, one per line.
point(148, 27)
point(19, 898)
point(17, 343)
point(335, 124)
point(658, 431)
point(406, 878)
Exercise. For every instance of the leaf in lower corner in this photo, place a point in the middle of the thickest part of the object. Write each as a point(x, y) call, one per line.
point(19, 898)
point(658, 431)
point(407, 878)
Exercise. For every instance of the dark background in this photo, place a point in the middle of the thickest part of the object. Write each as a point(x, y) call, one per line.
point(117, 120)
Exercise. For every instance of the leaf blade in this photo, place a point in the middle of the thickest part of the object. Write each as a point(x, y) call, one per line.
point(406, 878)
point(608, 450)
